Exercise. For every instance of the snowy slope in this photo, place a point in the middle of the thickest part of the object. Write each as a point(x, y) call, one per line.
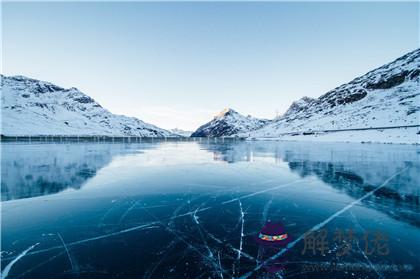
point(227, 123)
point(33, 107)
point(387, 96)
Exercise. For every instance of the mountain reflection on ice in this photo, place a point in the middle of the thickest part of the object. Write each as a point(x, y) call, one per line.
point(30, 170)
point(352, 168)
point(193, 209)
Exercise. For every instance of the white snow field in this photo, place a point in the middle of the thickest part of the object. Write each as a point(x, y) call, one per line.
point(398, 136)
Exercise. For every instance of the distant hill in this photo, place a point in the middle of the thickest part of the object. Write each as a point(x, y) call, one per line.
point(181, 132)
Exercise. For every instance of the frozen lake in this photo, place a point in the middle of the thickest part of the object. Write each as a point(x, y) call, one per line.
point(196, 210)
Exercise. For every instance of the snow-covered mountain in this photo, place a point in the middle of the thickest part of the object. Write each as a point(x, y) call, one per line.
point(385, 97)
point(181, 132)
point(34, 107)
point(229, 122)
point(298, 106)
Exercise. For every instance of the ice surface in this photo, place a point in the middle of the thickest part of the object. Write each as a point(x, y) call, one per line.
point(191, 209)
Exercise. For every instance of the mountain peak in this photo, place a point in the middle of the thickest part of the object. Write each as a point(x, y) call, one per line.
point(299, 105)
point(225, 112)
point(229, 122)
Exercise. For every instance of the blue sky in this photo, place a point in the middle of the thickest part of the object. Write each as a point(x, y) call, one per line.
point(178, 64)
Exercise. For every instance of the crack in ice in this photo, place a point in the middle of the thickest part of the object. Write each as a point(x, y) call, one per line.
point(265, 211)
point(220, 266)
point(265, 190)
point(210, 258)
point(242, 230)
point(148, 274)
point(128, 211)
point(201, 233)
point(67, 251)
point(40, 264)
point(356, 223)
point(8, 267)
point(195, 216)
